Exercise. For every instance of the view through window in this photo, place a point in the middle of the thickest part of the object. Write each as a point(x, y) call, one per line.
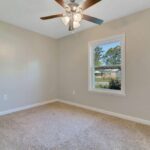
point(107, 65)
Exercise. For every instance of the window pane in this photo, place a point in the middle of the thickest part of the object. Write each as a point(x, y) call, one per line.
point(107, 66)
point(108, 79)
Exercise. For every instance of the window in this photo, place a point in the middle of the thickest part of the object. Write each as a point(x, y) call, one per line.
point(107, 65)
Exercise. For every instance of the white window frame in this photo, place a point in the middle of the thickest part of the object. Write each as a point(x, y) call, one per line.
point(120, 38)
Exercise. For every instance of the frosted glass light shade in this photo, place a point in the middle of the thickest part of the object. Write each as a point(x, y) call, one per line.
point(76, 24)
point(65, 20)
point(77, 17)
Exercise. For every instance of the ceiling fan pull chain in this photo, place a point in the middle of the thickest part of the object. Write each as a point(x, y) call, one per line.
point(71, 28)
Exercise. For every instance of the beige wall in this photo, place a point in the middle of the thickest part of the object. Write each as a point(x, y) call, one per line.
point(73, 54)
point(28, 67)
point(35, 68)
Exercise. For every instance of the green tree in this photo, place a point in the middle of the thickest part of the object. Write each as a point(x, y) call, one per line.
point(98, 56)
point(113, 56)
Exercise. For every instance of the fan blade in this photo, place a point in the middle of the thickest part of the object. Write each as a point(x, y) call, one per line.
point(92, 19)
point(61, 2)
point(51, 17)
point(89, 3)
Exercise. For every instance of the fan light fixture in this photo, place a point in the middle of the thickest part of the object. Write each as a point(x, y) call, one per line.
point(65, 20)
point(76, 24)
point(73, 14)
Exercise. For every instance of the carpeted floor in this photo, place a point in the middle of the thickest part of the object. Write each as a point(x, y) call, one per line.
point(59, 126)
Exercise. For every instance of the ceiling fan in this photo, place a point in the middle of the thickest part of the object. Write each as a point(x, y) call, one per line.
point(73, 14)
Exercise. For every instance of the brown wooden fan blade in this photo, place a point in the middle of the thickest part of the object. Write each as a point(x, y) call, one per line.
point(60, 2)
point(93, 19)
point(89, 3)
point(51, 17)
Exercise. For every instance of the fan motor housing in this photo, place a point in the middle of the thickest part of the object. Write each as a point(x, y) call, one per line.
point(73, 6)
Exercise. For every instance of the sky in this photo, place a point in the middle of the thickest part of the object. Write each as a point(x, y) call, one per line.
point(106, 47)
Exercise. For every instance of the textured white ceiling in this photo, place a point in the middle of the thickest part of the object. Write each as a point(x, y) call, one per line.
point(27, 13)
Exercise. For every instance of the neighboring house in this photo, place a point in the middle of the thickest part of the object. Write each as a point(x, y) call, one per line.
point(108, 72)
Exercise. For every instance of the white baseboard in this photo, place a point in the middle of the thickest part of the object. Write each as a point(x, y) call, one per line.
point(26, 107)
point(122, 116)
point(118, 115)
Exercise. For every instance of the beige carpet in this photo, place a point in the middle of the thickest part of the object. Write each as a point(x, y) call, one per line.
point(62, 127)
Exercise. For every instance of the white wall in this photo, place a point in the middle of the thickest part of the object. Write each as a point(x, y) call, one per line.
point(73, 54)
point(28, 67)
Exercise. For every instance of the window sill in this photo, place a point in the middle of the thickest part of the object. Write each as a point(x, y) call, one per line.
point(108, 92)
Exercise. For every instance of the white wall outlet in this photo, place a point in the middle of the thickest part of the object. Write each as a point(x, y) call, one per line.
point(5, 97)
point(73, 92)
